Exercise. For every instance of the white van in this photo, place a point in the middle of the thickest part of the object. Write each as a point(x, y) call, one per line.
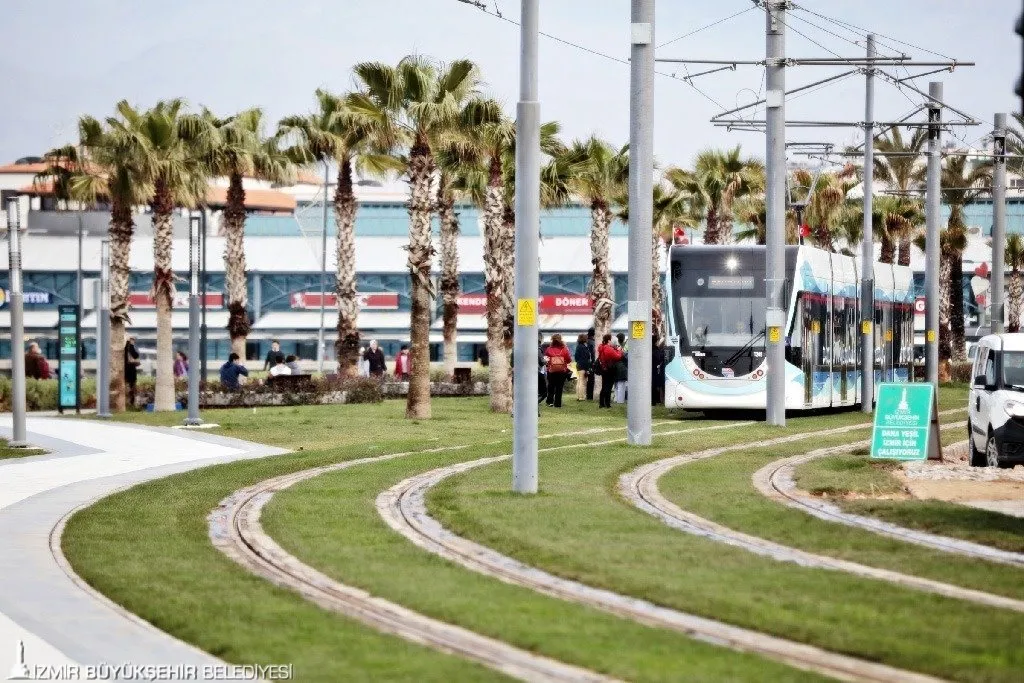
point(996, 404)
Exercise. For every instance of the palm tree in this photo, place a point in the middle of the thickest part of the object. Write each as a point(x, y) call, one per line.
point(236, 147)
point(963, 181)
point(422, 103)
point(951, 244)
point(599, 175)
point(1015, 260)
point(1015, 145)
point(171, 164)
point(105, 165)
point(718, 179)
point(349, 137)
point(897, 163)
point(752, 211)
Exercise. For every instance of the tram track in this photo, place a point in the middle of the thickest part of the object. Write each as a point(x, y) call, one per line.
point(403, 508)
point(640, 487)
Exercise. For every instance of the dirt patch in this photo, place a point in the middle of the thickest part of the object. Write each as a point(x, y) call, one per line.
point(957, 491)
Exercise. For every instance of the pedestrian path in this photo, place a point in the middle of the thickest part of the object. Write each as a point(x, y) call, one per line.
point(60, 620)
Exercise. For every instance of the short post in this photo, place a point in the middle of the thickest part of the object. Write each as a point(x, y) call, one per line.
point(18, 439)
point(195, 226)
point(103, 338)
point(998, 293)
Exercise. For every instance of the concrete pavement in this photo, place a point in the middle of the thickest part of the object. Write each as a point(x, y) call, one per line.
point(61, 621)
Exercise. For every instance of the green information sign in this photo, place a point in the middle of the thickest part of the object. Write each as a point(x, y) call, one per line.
point(906, 423)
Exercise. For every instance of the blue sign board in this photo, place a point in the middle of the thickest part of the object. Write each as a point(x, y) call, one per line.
point(68, 334)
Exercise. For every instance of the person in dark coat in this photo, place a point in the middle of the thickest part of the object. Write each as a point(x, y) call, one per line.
point(375, 357)
point(592, 375)
point(657, 373)
point(36, 366)
point(542, 383)
point(584, 367)
point(274, 356)
point(132, 361)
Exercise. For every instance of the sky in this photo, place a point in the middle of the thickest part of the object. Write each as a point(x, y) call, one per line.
point(274, 54)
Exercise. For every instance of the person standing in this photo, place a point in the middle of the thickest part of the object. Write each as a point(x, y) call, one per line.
point(36, 366)
point(132, 361)
point(542, 384)
point(375, 359)
point(274, 356)
point(608, 357)
point(557, 361)
point(621, 371)
point(180, 365)
point(584, 367)
point(230, 373)
point(403, 364)
point(592, 377)
point(657, 372)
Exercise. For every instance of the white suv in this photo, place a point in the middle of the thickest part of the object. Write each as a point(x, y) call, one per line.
point(996, 404)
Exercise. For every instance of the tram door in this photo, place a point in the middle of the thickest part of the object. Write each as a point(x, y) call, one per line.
point(886, 338)
point(814, 351)
point(840, 351)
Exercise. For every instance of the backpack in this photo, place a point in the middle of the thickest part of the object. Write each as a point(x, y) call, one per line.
point(557, 364)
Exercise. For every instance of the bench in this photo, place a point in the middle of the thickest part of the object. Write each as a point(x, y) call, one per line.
point(463, 375)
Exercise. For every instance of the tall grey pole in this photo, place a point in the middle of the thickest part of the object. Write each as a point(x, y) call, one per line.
point(931, 211)
point(203, 351)
point(18, 439)
point(321, 346)
point(775, 204)
point(81, 310)
point(525, 349)
point(641, 213)
point(103, 344)
point(998, 293)
point(867, 251)
point(194, 227)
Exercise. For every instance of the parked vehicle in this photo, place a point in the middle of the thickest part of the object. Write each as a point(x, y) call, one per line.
point(996, 405)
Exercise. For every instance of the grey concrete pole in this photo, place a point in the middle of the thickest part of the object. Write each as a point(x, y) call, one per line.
point(867, 251)
point(321, 348)
point(525, 348)
point(17, 304)
point(641, 214)
point(103, 343)
point(775, 204)
point(194, 227)
point(998, 293)
point(932, 217)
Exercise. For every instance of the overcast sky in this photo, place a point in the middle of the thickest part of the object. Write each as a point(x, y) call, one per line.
point(63, 58)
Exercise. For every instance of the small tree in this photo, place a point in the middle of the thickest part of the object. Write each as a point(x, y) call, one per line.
point(1015, 289)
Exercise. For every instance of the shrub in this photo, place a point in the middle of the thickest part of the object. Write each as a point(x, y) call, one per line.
point(961, 372)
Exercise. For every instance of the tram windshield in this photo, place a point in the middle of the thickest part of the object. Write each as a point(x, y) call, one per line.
point(719, 301)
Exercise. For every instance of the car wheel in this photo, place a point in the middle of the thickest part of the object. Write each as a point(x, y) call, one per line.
point(976, 457)
point(992, 452)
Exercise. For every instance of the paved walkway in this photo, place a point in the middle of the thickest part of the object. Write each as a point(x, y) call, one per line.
point(61, 620)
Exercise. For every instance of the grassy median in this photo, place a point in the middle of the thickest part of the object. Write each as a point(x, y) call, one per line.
point(6, 452)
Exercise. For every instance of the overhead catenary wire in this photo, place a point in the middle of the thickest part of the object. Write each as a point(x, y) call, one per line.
point(866, 31)
point(707, 26)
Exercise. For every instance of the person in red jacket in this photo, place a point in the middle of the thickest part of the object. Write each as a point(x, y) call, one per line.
point(558, 359)
point(607, 357)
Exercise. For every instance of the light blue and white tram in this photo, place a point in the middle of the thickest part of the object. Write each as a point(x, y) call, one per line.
point(716, 327)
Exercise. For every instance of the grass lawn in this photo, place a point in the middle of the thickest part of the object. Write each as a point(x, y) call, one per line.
point(8, 452)
point(842, 475)
point(577, 528)
point(147, 548)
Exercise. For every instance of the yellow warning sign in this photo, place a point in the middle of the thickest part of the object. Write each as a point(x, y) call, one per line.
point(774, 334)
point(888, 335)
point(930, 336)
point(527, 312)
point(865, 327)
point(815, 326)
point(639, 329)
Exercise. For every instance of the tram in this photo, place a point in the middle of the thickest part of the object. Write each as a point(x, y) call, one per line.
point(716, 327)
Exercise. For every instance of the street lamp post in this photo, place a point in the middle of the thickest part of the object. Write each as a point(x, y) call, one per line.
point(103, 341)
point(18, 439)
point(195, 228)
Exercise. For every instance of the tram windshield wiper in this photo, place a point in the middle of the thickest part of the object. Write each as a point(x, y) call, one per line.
point(743, 349)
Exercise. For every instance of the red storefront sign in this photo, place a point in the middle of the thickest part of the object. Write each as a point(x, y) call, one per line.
point(179, 300)
point(550, 304)
point(377, 301)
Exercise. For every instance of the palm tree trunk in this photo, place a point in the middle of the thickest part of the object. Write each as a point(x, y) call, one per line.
point(449, 276)
point(497, 272)
point(657, 295)
point(121, 229)
point(601, 280)
point(945, 269)
point(711, 227)
point(421, 252)
point(888, 250)
point(233, 225)
point(1016, 298)
point(956, 305)
point(904, 254)
point(346, 346)
point(163, 293)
